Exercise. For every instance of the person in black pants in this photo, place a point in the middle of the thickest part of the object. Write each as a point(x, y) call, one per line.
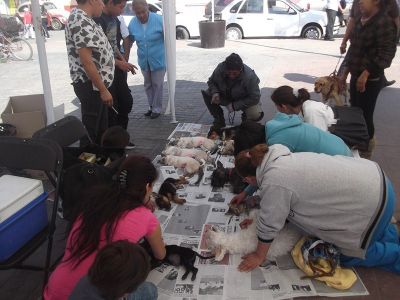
point(331, 13)
point(372, 49)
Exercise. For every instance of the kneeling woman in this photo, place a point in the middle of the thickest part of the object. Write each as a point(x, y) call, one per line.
point(329, 197)
point(114, 212)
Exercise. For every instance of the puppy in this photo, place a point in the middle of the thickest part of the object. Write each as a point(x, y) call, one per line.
point(224, 133)
point(245, 241)
point(330, 88)
point(195, 142)
point(228, 147)
point(188, 164)
point(167, 193)
point(193, 153)
point(250, 202)
point(222, 175)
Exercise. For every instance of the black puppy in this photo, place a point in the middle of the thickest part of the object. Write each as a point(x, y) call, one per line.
point(167, 193)
point(177, 256)
point(222, 175)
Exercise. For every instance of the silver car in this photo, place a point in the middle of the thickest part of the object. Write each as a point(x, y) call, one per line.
point(272, 18)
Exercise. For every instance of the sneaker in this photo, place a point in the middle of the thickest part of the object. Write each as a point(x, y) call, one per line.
point(130, 146)
point(154, 115)
point(148, 114)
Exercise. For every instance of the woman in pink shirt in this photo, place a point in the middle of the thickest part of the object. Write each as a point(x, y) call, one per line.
point(119, 211)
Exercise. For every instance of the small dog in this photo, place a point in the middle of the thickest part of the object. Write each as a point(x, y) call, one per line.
point(197, 154)
point(167, 193)
point(228, 147)
point(245, 241)
point(176, 256)
point(249, 203)
point(188, 164)
point(222, 175)
point(223, 134)
point(329, 87)
point(195, 142)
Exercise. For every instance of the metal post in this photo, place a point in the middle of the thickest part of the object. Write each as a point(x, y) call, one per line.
point(44, 69)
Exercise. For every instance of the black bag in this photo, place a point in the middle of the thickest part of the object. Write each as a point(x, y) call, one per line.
point(78, 176)
point(351, 127)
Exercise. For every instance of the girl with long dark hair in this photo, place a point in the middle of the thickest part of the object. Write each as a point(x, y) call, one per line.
point(118, 211)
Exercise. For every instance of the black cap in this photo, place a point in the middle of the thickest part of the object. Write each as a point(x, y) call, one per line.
point(233, 62)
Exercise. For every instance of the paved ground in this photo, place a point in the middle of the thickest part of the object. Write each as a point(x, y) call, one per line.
point(277, 62)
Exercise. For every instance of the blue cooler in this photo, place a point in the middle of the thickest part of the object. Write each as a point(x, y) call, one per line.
point(23, 212)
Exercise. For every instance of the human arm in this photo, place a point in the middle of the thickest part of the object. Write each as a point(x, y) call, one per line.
point(248, 191)
point(85, 55)
point(253, 260)
point(212, 82)
point(157, 243)
point(253, 94)
point(122, 64)
point(346, 37)
point(127, 45)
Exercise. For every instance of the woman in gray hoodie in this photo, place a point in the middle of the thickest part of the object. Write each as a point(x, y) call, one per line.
point(328, 197)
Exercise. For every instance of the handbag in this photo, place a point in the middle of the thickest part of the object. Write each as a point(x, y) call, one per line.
point(351, 127)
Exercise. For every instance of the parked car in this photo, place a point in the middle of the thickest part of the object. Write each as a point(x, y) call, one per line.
point(268, 18)
point(187, 24)
point(59, 16)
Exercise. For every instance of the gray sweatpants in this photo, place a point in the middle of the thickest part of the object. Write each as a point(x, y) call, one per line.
point(153, 86)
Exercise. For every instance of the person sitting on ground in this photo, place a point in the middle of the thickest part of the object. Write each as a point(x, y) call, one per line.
point(235, 86)
point(328, 197)
point(288, 129)
point(119, 270)
point(120, 210)
point(313, 112)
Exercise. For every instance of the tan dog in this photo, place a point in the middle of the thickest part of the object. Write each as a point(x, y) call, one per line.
point(329, 87)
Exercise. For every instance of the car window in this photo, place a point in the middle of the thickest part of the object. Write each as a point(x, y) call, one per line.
point(235, 8)
point(223, 2)
point(253, 7)
point(278, 7)
point(153, 8)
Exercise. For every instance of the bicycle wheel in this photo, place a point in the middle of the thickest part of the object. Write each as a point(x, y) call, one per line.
point(20, 49)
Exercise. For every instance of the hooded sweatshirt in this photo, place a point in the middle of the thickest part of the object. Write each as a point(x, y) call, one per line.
point(326, 196)
point(298, 136)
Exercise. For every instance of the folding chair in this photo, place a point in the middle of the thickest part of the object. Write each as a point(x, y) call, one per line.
point(35, 154)
point(65, 132)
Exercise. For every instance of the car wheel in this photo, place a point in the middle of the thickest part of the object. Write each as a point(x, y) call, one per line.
point(56, 24)
point(182, 33)
point(312, 32)
point(233, 34)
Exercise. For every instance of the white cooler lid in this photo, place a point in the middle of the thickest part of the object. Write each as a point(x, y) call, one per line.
point(17, 192)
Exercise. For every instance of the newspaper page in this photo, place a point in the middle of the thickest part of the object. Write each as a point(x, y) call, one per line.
point(186, 225)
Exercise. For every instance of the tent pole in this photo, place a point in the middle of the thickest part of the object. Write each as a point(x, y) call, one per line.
point(44, 68)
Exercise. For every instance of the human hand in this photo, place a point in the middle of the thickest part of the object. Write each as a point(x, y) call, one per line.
point(362, 81)
point(250, 262)
point(245, 223)
point(342, 48)
point(125, 66)
point(239, 198)
point(215, 99)
point(106, 97)
point(133, 70)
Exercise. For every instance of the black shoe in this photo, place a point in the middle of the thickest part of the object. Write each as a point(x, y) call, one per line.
point(329, 39)
point(154, 115)
point(130, 146)
point(148, 114)
point(389, 83)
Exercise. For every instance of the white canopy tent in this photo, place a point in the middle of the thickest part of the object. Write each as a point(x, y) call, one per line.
point(169, 16)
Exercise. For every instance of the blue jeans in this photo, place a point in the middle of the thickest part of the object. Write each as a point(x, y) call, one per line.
point(384, 249)
point(146, 291)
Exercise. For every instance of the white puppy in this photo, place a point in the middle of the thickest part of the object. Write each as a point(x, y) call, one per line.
point(196, 142)
point(193, 153)
point(190, 165)
point(245, 241)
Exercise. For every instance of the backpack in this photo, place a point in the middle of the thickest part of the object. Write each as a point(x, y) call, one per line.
point(351, 127)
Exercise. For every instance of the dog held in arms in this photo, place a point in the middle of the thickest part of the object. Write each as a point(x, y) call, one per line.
point(245, 241)
point(330, 88)
point(167, 193)
point(222, 175)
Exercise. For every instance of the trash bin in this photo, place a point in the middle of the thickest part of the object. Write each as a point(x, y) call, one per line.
point(212, 34)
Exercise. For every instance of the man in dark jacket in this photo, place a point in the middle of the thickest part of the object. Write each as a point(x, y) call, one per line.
point(235, 86)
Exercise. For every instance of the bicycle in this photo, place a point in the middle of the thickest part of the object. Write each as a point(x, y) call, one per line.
point(15, 47)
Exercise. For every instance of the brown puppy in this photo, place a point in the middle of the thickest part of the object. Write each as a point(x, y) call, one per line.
point(329, 87)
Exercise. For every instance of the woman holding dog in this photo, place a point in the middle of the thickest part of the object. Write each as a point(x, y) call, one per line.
point(328, 197)
point(121, 210)
point(373, 39)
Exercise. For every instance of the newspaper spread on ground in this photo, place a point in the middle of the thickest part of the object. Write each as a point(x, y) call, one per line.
point(186, 225)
